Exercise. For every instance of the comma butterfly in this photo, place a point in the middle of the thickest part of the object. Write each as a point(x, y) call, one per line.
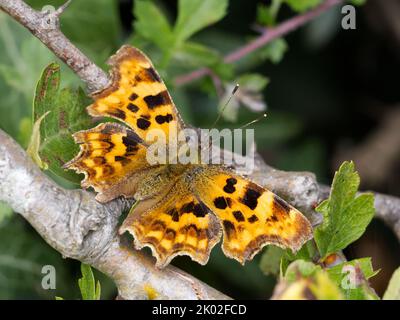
point(180, 209)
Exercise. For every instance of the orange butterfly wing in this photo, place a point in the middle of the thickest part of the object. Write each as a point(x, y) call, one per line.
point(137, 95)
point(111, 157)
point(175, 224)
point(251, 216)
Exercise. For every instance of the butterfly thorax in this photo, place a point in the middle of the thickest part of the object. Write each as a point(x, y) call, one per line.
point(167, 177)
point(159, 181)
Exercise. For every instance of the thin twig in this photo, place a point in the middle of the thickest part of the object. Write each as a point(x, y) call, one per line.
point(266, 37)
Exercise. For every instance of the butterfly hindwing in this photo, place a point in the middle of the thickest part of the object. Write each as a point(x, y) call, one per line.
point(137, 95)
point(177, 224)
point(250, 215)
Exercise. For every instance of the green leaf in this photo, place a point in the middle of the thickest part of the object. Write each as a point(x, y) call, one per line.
point(67, 114)
point(194, 15)
point(87, 284)
point(271, 260)
point(393, 290)
point(307, 252)
point(266, 15)
point(345, 215)
point(224, 70)
point(59, 298)
point(300, 268)
point(302, 5)
point(152, 24)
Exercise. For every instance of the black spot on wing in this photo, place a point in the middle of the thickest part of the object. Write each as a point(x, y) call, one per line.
point(124, 161)
point(133, 97)
point(143, 123)
point(132, 107)
point(187, 207)
point(152, 74)
point(160, 119)
point(220, 203)
point(230, 185)
point(158, 100)
point(238, 216)
point(272, 218)
point(174, 214)
point(252, 219)
point(199, 210)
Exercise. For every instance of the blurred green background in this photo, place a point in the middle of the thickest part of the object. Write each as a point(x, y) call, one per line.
point(330, 94)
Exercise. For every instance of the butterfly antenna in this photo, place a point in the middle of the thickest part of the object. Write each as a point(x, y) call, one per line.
point(254, 121)
point(225, 105)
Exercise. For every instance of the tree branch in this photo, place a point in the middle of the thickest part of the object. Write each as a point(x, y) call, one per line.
point(266, 37)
